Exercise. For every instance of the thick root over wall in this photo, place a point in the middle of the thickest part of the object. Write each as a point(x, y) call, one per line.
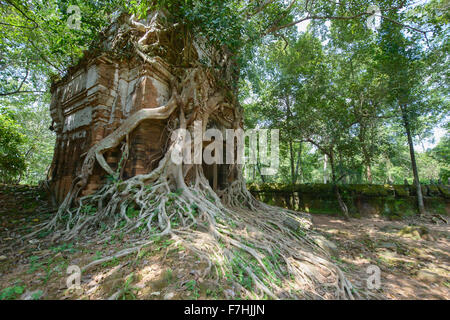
point(265, 251)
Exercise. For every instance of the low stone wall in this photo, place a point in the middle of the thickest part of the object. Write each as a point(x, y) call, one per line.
point(393, 201)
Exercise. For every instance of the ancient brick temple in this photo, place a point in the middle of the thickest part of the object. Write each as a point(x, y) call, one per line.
point(90, 103)
point(93, 100)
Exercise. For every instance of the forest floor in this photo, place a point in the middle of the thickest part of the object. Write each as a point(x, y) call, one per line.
point(413, 257)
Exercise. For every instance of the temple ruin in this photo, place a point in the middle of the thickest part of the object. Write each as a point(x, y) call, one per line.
point(92, 101)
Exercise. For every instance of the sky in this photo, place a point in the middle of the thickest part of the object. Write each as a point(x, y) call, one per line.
point(438, 133)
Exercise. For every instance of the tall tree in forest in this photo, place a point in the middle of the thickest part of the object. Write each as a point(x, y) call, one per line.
point(284, 78)
point(402, 63)
point(352, 48)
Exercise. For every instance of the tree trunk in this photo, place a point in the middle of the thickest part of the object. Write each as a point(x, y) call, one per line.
point(418, 187)
point(369, 173)
point(365, 152)
point(341, 202)
point(291, 147)
point(299, 168)
point(258, 166)
point(292, 163)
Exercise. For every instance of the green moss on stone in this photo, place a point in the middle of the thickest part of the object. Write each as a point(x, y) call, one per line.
point(445, 191)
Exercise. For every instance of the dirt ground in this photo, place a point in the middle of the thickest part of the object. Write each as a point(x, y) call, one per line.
point(413, 257)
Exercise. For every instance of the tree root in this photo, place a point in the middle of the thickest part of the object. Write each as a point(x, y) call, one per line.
point(243, 240)
point(247, 243)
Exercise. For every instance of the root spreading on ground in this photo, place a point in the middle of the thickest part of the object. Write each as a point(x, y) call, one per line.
point(263, 250)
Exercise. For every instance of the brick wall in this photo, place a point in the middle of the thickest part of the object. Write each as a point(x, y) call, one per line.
point(89, 104)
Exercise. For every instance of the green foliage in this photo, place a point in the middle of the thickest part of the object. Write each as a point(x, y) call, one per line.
point(334, 93)
point(37, 295)
point(192, 286)
point(11, 293)
point(12, 162)
point(128, 292)
point(35, 264)
point(441, 154)
point(40, 141)
point(98, 255)
point(88, 209)
point(168, 276)
point(31, 120)
point(132, 212)
point(36, 47)
point(43, 233)
point(65, 247)
point(337, 85)
point(112, 263)
point(194, 209)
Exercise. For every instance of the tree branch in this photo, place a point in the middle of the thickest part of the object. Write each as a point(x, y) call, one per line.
point(275, 28)
point(260, 8)
point(15, 26)
point(406, 26)
point(288, 9)
point(22, 12)
point(43, 56)
point(21, 92)
point(324, 151)
point(20, 86)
